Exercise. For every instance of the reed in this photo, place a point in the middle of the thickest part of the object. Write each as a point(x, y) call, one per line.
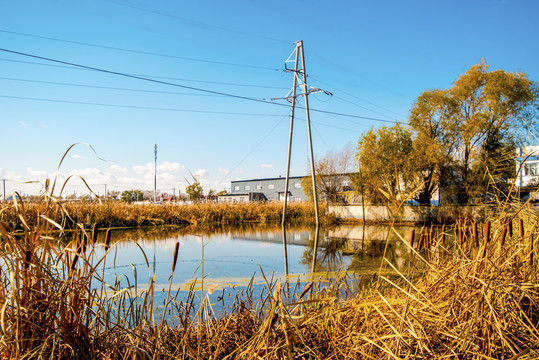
point(477, 302)
point(118, 214)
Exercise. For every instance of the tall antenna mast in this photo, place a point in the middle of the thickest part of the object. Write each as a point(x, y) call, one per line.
point(155, 175)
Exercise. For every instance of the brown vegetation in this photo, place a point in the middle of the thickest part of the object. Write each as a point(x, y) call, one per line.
point(465, 301)
point(117, 214)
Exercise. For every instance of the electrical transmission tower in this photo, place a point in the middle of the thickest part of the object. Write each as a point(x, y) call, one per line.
point(300, 80)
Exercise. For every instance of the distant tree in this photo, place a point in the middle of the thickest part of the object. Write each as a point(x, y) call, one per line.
point(113, 195)
point(384, 158)
point(132, 196)
point(331, 173)
point(194, 190)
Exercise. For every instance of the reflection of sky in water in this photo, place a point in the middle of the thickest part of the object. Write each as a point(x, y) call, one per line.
point(228, 261)
point(233, 258)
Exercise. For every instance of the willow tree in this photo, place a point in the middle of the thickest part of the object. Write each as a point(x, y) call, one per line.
point(384, 158)
point(466, 135)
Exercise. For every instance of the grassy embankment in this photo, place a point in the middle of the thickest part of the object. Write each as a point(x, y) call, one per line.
point(117, 214)
point(477, 298)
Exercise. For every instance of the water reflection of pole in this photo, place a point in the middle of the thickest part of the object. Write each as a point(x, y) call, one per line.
point(202, 282)
point(315, 249)
point(154, 255)
point(285, 262)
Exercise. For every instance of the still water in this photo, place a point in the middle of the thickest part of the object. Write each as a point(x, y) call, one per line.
point(220, 263)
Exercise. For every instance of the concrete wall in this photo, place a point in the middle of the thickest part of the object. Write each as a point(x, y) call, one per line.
point(407, 213)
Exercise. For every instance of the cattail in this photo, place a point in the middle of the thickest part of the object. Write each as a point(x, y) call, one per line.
point(487, 232)
point(76, 238)
point(510, 228)
point(487, 239)
point(107, 239)
point(521, 223)
point(27, 258)
point(504, 233)
point(420, 245)
point(412, 235)
point(277, 292)
point(74, 263)
point(460, 234)
point(306, 289)
point(531, 249)
point(475, 234)
point(95, 230)
point(175, 256)
point(443, 234)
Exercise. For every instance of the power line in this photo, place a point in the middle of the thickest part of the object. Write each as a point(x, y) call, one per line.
point(150, 76)
point(348, 71)
point(101, 87)
point(356, 97)
point(136, 77)
point(134, 106)
point(187, 87)
point(140, 51)
point(202, 23)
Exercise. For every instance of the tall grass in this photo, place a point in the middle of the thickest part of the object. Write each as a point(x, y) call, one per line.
point(475, 299)
point(117, 214)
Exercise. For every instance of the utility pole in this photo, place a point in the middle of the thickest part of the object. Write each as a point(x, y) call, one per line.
point(105, 192)
point(298, 51)
point(293, 107)
point(305, 93)
point(4, 198)
point(155, 175)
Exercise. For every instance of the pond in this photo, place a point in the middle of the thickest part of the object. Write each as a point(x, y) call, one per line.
point(218, 265)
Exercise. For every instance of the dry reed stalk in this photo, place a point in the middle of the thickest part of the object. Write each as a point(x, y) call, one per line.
point(510, 227)
point(475, 234)
point(531, 249)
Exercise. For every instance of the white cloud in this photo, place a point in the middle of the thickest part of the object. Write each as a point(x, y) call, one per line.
point(118, 169)
point(170, 167)
point(76, 156)
point(224, 171)
point(22, 123)
point(143, 169)
point(203, 173)
point(36, 173)
point(268, 166)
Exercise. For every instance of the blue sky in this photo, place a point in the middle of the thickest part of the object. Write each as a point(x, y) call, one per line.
point(374, 57)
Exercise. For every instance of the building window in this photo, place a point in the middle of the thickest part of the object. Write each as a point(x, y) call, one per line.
point(247, 187)
point(236, 188)
point(271, 186)
point(531, 169)
point(297, 199)
point(297, 185)
point(259, 187)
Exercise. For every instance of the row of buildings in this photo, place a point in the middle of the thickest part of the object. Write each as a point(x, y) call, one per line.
point(273, 189)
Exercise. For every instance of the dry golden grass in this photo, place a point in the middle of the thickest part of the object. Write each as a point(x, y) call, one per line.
point(118, 214)
point(464, 301)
